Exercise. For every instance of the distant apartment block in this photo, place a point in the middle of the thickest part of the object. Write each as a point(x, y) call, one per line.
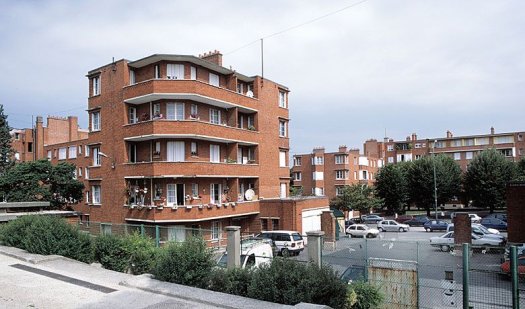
point(323, 173)
point(461, 148)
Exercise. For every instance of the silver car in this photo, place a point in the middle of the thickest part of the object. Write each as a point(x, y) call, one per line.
point(361, 230)
point(392, 226)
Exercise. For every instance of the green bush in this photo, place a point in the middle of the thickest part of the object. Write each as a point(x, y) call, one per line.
point(48, 235)
point(231, 281)
point(362, 295)
point(132, 253)
point(189, 263)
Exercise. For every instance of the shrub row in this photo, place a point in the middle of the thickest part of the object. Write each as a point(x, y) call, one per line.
point(190, 263)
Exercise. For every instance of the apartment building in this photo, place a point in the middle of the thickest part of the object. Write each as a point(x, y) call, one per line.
point(29, 143)
point(323, 173)
point(461, 148)
point(183, 142)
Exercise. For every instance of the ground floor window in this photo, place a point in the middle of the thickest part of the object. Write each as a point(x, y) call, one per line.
point(105, 229)
point(215, 230)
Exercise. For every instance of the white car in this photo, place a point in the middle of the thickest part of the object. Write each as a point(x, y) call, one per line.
point(481, 231)
point(474, 218)
point(391, 225)
point(446, 241)
point(361, 230)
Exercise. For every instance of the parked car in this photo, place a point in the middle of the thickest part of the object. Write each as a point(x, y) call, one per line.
point(350, 222)
point(497, 215)
point(505, 267)
point(361, 230)
point(446, 241)
point(353, 273)
point(404, 218)
point(435, 225)
point(393, 226)
point(480, 230)
point(372, 219)
point(494, 223)
point(474, 218)
point(286, 242)
point(520, 250)
point(254, 253)
point(417, 221)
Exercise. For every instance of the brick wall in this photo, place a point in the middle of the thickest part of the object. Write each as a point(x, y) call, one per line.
point(516, 212)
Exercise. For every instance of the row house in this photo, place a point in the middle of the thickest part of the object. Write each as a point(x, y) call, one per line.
point(326, 174)
point(461, 148)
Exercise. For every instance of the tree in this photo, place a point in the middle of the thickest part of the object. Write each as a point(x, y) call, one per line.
point(6, 152)
point(41, 181)
point(486, 179)
point(421, 180)
point(356, 197)
point(520, 172)
point(391, 186)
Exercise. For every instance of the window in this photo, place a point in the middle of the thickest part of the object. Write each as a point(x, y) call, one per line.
point(132, 116)
point(88, 196)
point(506, 152)
point(195, 190)
point(417, 145)
point(468, 142)
point(240, 123)
point(282, 128)
point(417, 157)
point(249, 90)
point(297, 161)
point(317, 175)
point(251, 123)
point(282, 158)
point(86, 150)
point(193, 73)
point(339, 191)
point(175, 111)
point(251, 154)
point(131, 77)
point(156, 152)
point(105, 229)
point(215, 116)
point(484, 141)
point(457, 143)
point(440, 144)
point(390, 147)
point(17, 156)
point(72, 152)
point(193, 148)
point(86, 170)
point(194, 111)
point(342, 174)
point(175, 151)
point(297, 176)
point(503, 139)
point(80, 172)
point(365, 177)
point(215, 230)
point(62, 153)
point(282, 191)
point(96, 156)
point(95, 194)
point(157, 71)
point(355, 175)
point(214, 79)
point(96, 85)
point(95, 121)
point(215, 193)
point(17, 136)
point(79, 149)
point(132, 153)
point(520, 137)
point(240, 88)
point(318, 160)
point(29, 147)
point(341, 159)
point(171, 194)
point(469, 155)
point(49, 154)
point(282, 99)
point(215, 152)
point(175, 71)
point(319, 191)
point(457, 156)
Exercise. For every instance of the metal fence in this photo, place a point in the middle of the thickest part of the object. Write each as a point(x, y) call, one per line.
point(413, 274)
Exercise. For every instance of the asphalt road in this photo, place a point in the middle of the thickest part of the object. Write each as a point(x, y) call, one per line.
point(488, 288)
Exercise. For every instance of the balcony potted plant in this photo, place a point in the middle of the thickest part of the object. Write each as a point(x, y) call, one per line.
point(194, 116)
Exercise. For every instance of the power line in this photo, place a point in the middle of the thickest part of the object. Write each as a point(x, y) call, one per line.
point(296, 26)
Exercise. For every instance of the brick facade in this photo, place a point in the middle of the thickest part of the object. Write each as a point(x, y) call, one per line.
point(516, 212)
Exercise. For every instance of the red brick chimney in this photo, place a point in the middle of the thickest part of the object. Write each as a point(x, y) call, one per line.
point(73, 128)
point(414, 136)
point(449, 134)
point(342, 148)
point(212, 56)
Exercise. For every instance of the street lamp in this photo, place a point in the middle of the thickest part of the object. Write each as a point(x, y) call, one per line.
point(435, 185)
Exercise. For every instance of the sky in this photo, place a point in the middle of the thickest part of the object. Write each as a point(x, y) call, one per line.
point(368, 69)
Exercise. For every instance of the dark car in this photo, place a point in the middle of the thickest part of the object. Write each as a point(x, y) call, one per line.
point(435, 225)
point(404, 218)
point(417, 221)
point(350, 222)
point(353, 273)
point(494, 223)
point(497, 215)
point(372, 219)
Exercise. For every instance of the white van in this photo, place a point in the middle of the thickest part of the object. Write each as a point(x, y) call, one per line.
point(254, 252)
point(286, 242)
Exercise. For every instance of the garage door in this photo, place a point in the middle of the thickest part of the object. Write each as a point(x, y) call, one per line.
point(311, 220)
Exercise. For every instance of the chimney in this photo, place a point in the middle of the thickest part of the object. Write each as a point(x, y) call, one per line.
point(449, 134)
point(342, 148)
point(414, 136)
point(212, 56)
point(492, 131)
point(408, 138)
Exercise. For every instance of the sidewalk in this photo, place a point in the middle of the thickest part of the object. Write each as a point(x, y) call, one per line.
point(36, 281)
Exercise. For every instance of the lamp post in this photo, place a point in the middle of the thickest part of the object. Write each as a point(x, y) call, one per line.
point(435, 185)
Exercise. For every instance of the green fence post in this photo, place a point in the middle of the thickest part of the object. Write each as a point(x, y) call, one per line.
point(466, 268)
point(142, 230)
point(366, 259)
point(514, 277)
point(417, 272)
point(157, 235)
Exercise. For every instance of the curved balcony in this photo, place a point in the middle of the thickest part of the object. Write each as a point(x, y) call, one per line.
point(158, 89)
point(160, 128)
point(192, 214)
point(190, 170)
